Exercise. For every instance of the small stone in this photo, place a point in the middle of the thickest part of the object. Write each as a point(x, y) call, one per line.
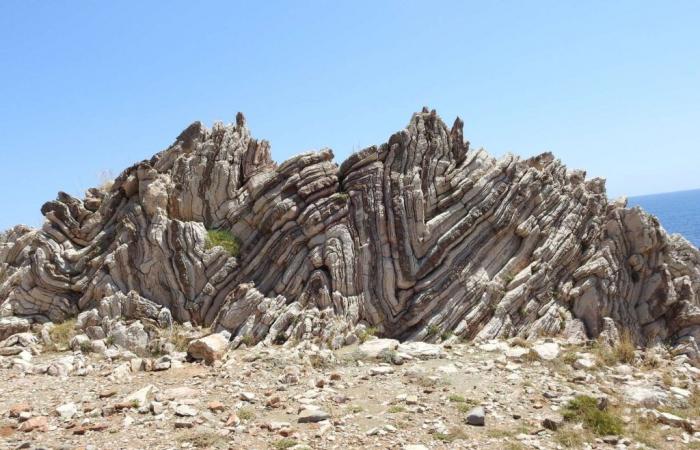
point(248, 397)
point(552, 422)
point(584, 364)
point(381, 370)
point(40, 423)
point(313, 416)
point(107, 393)
point(216, 406)
point(157, 408)
point(182, 423)
point(17, 409)
point(67, 411)
point(185, 411)
point(477, 417)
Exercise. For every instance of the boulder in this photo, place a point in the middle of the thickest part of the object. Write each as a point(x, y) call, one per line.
point(376, 347)
point(209, 348)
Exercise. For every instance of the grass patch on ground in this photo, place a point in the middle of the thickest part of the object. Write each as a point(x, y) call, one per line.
point(396, 409)
point(61, 334)
point(623, 352)
point(246, 414)
point(224, 239)
point(456, 398)
point(585, 409)
point(570, 438)
point(284, 443)
point(202, 439)
point(455, 434)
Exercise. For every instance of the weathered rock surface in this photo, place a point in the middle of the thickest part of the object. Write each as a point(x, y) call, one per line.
point(420, 237)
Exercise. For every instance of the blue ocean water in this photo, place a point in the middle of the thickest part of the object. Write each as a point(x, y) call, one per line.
point(679, 212)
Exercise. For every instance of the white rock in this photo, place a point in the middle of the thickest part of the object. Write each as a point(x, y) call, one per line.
point(142, 396)
point(421, 350)
point(373, 348)
point(381, 370)
point(546, 351)
point(209, 348)
point(643, 395)
point(67, 411)
point(185, 411)
point(584, 363)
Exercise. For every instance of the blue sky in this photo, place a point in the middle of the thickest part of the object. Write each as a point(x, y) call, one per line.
point(88, 87)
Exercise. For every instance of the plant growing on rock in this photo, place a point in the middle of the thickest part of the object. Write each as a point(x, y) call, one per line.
point(224, 239)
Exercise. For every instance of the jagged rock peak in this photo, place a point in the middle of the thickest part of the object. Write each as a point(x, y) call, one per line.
point(420, 237)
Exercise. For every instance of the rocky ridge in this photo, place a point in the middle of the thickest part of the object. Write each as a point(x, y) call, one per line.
point(421, 238)
point(419, 295)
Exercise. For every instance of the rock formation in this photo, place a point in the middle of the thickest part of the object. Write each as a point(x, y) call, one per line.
point(420, 238)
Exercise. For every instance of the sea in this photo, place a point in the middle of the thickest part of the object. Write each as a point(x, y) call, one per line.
point(679, 212)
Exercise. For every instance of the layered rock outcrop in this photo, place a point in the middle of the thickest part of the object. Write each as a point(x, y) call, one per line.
point(420, 237)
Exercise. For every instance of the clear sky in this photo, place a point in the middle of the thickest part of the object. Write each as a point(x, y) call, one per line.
point(612, 87)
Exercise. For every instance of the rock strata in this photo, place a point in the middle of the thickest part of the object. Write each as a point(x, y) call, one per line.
point(418, 239)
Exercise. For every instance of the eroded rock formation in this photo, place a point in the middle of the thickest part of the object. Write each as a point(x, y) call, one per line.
point(419, 237)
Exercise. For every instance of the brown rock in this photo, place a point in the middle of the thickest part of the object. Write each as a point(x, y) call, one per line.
point(216, 406)
point(17, 409)
point(39, 423)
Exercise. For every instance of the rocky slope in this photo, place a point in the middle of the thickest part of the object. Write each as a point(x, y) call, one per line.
point(421, 238)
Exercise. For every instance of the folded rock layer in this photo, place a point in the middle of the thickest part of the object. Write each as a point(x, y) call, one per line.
point(420, 237)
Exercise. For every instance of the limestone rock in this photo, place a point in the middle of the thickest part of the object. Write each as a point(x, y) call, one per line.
point(420, 237)
point(209, 348)
point(376, 347)
point(313, 416)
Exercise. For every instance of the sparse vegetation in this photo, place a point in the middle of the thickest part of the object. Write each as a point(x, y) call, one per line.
point(284, 443)
point(569, 438)
point(367, 333)
point(531, 356)
point(454, 435)
point(86, 347)
point(433, 330)
point(224, 239)
point(396, 409)
point(456, 398)
point(180, 338)
point(342, 196)
point(445, 335)
point(585, 409)
point(61, 334)
point(202, 439)
point(246, 414)
point(520, 342)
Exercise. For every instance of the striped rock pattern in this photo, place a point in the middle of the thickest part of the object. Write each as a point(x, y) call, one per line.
point(420, 237)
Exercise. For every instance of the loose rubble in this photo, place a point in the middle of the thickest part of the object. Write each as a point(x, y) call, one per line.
point(490, 395)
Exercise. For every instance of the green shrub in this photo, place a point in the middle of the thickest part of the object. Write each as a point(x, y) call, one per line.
point(224, 239)
point(585, 409)
point(433, 330)
point(367, 333)
point(246, 414)
point(284, 443)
